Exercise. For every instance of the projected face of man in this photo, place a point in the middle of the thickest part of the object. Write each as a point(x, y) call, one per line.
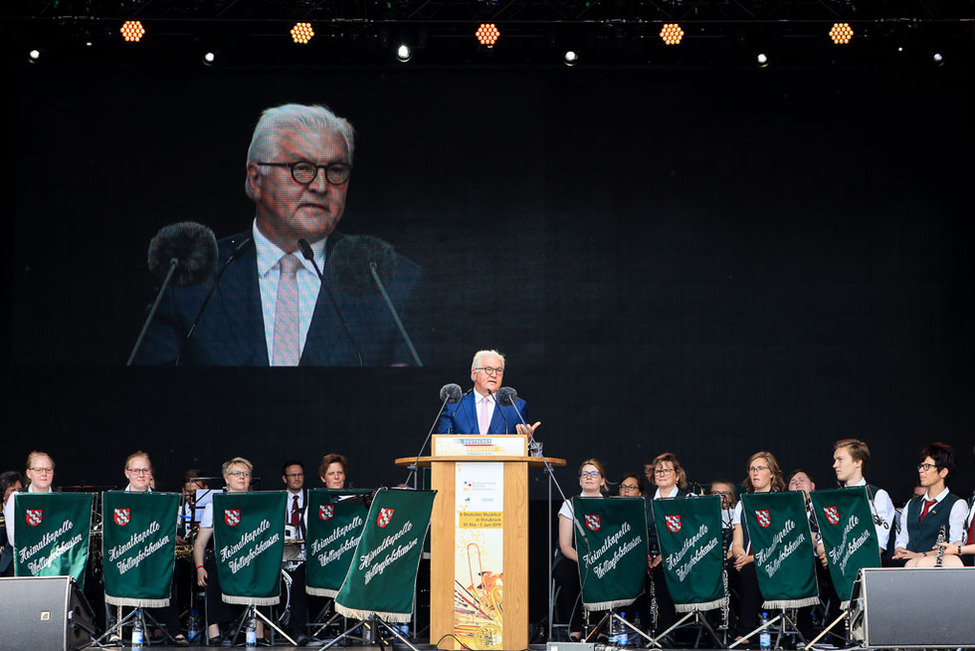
point(288, 210)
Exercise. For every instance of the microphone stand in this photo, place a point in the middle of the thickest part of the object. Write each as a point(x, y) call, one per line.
point(152, 312)
point(213, 288)
point(309, 254)
point(413, 467)
point(551, 480)
point(392, 310)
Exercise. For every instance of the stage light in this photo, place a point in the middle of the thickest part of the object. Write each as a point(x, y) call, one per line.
point(132, 31)
point(487, 34)
point(34, 56)
point(938, 59)
point(404, 53)
point(841, 33)
point(761, 60)
point(302, 33)
point(209, 58)
point(570, 58)
point(671, 34)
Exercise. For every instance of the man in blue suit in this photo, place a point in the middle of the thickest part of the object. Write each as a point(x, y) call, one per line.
point(478, 412)
point(270, 308)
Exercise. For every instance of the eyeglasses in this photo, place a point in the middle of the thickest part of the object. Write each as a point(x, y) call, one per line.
point(589, 474)
point(490, 370)
point(626, 488)
point(43, 471)
point(757, 468)
point(239, 473)
point(295, 474)
point(721, 493)
point(927, 466)
point(304, 172)
point(140, 471)
point(663, 471)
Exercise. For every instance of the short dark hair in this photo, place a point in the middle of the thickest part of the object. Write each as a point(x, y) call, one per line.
point(331, 458)
point(291, 462)
point(943, 455)
point(8, 479)
point(641, 484)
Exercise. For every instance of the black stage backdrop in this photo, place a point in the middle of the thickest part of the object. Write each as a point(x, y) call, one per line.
point(705, 261)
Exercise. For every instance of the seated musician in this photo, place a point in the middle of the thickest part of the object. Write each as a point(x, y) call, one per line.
point(138, 472)
point(924, 517)
point(333, 470)
point(729, 497)
point(40, 477)
point(763, 476)
point(237, 476)
point(851, 458)
point(293, 477)
point(631, 485)
point(671, 483)
point(9, 484)
point(592, 481)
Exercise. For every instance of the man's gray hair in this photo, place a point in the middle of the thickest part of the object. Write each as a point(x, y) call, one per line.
point(294, 117)
point(485, 353)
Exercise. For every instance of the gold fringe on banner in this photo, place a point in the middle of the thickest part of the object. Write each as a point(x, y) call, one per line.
point(251, 601)
point(138, 603)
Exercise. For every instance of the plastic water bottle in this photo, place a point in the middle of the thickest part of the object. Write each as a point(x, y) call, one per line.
point(250, 637)
point(620, 632)
point(193, 626)
point(765, 637)
point(138, 634)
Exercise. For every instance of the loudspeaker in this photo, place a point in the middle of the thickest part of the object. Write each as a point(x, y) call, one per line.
point(44, 612)
point(923, 607)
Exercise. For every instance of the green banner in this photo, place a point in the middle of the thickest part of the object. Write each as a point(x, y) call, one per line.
point(139, 547)
point(334, 528)
point(689, 532)
point(613, 552)
point(382, 578)
point(846, 525)
point(52, 531)
point(781, 542)
point(248, 541)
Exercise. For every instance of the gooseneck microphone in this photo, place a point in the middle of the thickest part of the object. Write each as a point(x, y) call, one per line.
point(508, 397)
point(309, 254)
point(183, 254)
point(494, 397)
point(364, 265)
point(235, 254)
point(450, 394)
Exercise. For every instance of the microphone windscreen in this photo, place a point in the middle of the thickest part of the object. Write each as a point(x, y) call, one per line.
point(193, 245)
point(350, 260)
point(506, 396)
point(450, 393)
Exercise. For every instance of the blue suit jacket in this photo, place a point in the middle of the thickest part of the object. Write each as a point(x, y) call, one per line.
point(231, 331)
point(462, 417)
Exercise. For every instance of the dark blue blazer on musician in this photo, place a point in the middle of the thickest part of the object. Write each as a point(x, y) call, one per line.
point(462, 417)
point(231, 331)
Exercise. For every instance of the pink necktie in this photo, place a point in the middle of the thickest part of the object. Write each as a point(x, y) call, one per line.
point(484, 419)
point(286, 349)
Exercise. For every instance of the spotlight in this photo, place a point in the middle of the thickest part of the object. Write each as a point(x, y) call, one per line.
point(841, 33)
point(487, 34)
point(132, 31)
point(209, 58)
point(761, 60)
point(671, 34)
point(302, 33)
point(938, 58)
point(570, 58)
point(404, 53)
point(34, 56)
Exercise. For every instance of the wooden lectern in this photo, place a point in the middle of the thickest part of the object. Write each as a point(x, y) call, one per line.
point(479, 539)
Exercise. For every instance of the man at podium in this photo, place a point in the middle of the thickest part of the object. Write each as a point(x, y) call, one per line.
point(479, 412)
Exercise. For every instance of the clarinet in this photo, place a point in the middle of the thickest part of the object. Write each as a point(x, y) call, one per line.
point(939, 556)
